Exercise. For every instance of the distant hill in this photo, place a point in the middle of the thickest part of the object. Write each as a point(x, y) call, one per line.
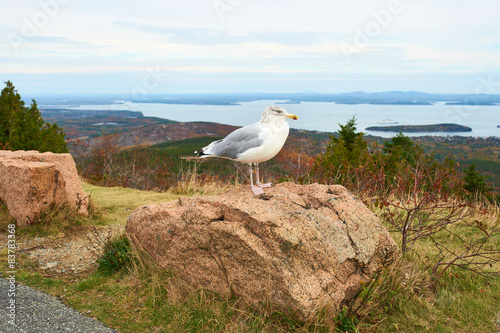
point(63, 113)
point(84, 124)
point(357, 97)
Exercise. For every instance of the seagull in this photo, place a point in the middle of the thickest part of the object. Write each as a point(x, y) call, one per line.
point(255, 143)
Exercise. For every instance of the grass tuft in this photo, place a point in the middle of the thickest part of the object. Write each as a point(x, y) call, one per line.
point(116, 256)
point(190, 183)
point(59, 218)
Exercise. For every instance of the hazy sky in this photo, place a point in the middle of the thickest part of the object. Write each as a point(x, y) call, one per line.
point(154, 46)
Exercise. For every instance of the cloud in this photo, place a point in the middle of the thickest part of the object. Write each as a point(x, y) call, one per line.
point(222, 36)
point(278, 36)
point(455, 59)
point(58, 40)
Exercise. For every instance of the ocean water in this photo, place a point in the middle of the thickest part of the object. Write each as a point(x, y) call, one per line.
point(325, 117)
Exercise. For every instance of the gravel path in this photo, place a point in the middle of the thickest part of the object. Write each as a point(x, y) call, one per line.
point(36, 312)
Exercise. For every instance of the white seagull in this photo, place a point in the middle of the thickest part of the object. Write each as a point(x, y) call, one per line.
point(253, 143)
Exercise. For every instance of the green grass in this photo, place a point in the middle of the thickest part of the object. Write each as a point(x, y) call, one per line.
point(491, 168)
point(58, 220)
point(117, 203)
point(116, 256)
point(460, 303)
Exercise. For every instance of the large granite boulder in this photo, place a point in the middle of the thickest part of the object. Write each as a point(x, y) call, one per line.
point(300, 247)
point(31, 182)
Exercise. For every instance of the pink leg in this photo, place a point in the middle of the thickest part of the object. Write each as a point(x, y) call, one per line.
point(258, 178)
point(255, 189)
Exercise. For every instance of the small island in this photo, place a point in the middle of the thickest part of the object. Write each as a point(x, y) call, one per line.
point(421, 128)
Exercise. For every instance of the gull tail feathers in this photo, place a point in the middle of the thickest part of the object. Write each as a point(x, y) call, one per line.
point(208, 150)
point(201, 152)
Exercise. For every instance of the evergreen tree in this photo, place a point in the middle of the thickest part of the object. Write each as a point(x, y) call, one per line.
point(400, 150)
point(10, 104)
point(343, 154)
point(353, 141)
point(53, 139)
point(475, 181)
point(23, 128)
point(348, 147)
point(399, 143)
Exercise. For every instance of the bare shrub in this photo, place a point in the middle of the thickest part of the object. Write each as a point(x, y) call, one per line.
point(421, 208)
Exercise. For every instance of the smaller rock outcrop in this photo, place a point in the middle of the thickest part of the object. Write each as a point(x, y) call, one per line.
point(30, 182)
point(300, 247)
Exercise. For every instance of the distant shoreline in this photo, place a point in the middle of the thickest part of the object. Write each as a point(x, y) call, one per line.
point(323, 117)
point(236, 98)
point(421, 128)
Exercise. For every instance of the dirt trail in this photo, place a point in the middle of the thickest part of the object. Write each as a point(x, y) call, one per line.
point(64, 254)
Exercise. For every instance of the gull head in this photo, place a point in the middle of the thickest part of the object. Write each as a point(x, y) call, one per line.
point(273, 112)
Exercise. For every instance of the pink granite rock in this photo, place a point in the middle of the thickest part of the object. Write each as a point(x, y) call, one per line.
point(301, 247)
point(31, 182)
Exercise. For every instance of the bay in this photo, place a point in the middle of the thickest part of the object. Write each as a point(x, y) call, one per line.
point(324, 116)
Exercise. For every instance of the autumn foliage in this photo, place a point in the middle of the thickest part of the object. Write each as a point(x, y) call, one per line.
point(421, 199)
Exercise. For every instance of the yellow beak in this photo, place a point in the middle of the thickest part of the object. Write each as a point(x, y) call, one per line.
point(292, 116)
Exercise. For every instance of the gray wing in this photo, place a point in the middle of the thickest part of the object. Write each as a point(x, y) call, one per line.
point(237, 142)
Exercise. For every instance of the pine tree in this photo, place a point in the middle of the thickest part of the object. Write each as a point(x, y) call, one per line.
point(351, 139)
point(400, 151)
point(343, 154)
point(349, 146)
point(23, 128)
point(399, 143)
point(475, 181)
point(10, 104)
point(53, 139)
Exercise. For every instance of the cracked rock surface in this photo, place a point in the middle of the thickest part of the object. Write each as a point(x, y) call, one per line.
point(298, 246)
